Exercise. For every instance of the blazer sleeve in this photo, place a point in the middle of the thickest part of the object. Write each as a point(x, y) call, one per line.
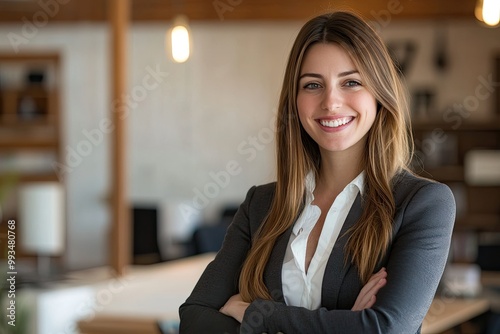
point(200, 313)
point(415, 264)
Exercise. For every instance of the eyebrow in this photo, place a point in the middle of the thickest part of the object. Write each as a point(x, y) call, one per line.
point(341, 74)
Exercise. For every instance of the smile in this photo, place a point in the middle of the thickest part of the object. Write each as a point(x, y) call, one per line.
point(336, 122)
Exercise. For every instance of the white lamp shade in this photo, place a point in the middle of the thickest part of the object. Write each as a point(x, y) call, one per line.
point(179, 220)
point(41, 218)
point(176, 224)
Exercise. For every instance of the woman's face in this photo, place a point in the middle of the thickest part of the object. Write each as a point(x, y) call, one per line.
point(335, 107)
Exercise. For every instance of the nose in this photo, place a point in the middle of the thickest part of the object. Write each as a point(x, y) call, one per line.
point(332, 99)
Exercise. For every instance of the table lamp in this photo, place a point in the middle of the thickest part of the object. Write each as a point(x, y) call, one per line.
point(41, 222)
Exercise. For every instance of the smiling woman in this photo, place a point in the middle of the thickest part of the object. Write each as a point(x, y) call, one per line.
point(347, 240)
point(334, 107)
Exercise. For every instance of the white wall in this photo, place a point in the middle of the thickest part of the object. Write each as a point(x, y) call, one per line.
point(206, 111)
point(193, 124)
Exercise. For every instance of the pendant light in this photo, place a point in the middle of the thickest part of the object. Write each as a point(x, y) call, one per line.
point(488, 11)
point(178, 39)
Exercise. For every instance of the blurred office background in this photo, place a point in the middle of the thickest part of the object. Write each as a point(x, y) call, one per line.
point(199, 131)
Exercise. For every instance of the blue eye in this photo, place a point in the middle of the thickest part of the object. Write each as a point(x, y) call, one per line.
point(312, 85)
point(352, 83)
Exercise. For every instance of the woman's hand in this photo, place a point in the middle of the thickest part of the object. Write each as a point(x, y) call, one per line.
point(367, 295)
point(235, 307)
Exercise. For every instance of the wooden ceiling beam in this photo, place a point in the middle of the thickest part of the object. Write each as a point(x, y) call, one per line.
point(233, 10)
point(53, 10)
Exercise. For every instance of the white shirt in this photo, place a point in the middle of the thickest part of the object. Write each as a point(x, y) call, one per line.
point(301, 288)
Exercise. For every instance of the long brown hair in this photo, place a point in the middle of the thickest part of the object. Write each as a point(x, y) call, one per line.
point(387, 150)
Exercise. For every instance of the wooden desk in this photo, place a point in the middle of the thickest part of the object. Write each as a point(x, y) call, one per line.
point(448, 313)
point(149, 293)
point(155, 293)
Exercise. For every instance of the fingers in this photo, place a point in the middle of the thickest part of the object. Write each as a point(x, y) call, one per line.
point(234, 307)
point(372, 286)
point(223, 309)
point(230, 301)
point(367, 295)
point(371, 297)
point(371, 302)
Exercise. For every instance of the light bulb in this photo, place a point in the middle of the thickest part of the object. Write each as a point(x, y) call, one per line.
point(488, 11)
point(491, 12)
point(179, 38)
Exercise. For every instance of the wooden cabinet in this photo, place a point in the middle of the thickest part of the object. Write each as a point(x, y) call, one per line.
point(29, 116)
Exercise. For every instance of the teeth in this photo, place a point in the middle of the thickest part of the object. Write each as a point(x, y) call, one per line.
point(336, 123)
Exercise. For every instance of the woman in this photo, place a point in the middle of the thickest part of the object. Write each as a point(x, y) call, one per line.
point(347, 240)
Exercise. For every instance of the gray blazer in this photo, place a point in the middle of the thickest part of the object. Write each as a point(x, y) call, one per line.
point(417, 254)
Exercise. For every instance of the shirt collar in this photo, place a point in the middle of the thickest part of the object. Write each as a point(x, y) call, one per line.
point(359, 182)
point(310, 185)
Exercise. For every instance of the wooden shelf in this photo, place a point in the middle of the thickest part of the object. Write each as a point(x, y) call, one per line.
point(50, 57)
point(39, 177)
point(29, 113)
point(39, 106)
point(492, 124)
point(28, 143)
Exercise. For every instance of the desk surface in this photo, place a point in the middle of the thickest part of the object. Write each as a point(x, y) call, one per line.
point(145, 295)
point(154, 292)
point(448, 313)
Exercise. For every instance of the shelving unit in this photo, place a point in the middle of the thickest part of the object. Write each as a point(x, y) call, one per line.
point(442, 154)
point(30, 136)
point(29, 115)
point(443, 157)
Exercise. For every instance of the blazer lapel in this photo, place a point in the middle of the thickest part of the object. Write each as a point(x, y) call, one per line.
point(336, 267)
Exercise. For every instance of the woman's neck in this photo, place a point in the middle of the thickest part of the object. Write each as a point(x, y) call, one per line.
point(338, 169)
